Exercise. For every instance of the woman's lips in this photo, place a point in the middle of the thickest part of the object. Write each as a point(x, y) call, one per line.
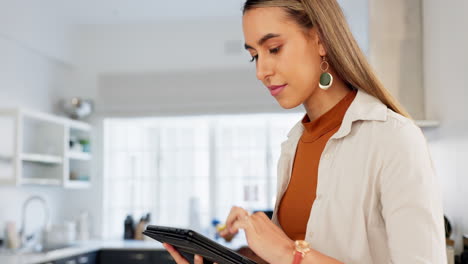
point(276, 89)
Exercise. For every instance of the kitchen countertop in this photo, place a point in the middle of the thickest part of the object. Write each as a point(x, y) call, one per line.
point(86, 247)
point(77, 249)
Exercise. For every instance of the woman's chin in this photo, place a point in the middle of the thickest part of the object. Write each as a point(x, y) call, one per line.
point(288, 104)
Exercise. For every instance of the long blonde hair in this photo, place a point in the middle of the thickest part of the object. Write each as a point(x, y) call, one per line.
point(343, 52)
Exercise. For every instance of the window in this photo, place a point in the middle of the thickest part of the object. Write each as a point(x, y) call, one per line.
point(186, 171)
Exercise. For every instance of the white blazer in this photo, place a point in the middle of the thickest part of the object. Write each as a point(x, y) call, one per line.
point(377, 196)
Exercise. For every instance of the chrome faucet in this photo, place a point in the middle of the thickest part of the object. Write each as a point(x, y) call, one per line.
point(25, 239)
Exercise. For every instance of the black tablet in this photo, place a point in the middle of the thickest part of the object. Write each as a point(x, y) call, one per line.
point(191, 242)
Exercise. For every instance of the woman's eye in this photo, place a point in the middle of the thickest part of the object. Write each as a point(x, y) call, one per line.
point(275, 50)
point(254, 58)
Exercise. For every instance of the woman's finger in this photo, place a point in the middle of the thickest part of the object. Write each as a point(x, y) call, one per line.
point(250, 226)
point(244, 223)
point(179, 259)
point(235, 214)
point(224, 232)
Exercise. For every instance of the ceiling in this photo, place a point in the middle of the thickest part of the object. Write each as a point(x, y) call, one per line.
point(133, 11)
point(138, 11)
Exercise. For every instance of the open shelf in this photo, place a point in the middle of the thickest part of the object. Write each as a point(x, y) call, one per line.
point(77, 184)
point(41, 181)
point(43, 149)
point(40, 158)
point(75, 155)
point(78, 170)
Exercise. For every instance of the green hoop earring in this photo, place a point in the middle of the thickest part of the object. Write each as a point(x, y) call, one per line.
point(326, 79)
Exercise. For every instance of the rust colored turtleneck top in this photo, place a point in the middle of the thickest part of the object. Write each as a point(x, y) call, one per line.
point(296, 203)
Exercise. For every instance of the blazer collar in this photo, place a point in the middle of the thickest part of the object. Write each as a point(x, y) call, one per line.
point(364, 107)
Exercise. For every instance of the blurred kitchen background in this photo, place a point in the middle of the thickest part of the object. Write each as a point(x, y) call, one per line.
point(119, 113)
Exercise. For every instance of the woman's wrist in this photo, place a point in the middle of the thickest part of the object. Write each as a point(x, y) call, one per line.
point(287, 254)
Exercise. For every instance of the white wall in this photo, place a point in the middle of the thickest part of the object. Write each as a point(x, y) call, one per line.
point(29, 78)
point(37, 27)
point(134, 56)
point(35, 49)
point(179, 44)
point(169, 67)
point(33, 70)
point(446, 83)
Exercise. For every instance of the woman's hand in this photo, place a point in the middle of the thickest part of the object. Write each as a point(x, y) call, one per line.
point(224, 233)
point(234, 214)
point(266, 239)
point(178, 258)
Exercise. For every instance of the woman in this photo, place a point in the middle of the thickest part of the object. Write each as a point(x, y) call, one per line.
point(355, 180)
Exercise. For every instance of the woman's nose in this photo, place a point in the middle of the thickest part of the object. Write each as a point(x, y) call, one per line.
point(264, 69)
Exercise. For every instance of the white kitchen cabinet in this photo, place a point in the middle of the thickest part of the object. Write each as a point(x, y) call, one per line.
point(35, 149)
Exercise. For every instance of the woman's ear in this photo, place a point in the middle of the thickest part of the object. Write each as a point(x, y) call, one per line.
point(322, 50)
point(315, 37)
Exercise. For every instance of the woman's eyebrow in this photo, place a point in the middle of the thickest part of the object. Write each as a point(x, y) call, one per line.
point(262, 40)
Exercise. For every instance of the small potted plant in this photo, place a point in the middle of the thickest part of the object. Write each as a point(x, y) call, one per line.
point(85, 145)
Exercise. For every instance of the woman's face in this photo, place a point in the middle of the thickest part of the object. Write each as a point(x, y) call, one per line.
point(287, 57)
